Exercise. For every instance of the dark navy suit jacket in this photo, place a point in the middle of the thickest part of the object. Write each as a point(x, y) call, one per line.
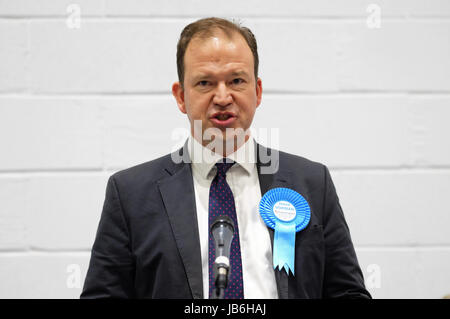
point(147, 243)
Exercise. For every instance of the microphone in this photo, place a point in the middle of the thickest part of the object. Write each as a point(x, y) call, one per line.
point(222, 230)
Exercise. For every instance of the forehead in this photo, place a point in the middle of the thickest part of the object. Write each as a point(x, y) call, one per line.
point(218, 53)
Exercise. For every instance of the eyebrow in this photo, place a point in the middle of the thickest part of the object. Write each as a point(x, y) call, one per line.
point(207, 76)
point(239, 73)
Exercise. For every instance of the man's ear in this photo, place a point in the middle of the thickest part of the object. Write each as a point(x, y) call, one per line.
point(258, 91)
point(178, 93)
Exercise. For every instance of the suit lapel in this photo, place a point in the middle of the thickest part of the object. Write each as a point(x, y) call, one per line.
point(272, 176)
point(178, 195)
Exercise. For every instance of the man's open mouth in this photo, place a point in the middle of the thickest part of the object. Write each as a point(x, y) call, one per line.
point(223, 118)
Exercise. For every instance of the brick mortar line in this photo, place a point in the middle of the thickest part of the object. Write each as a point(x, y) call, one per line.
point(100, 171)
point(387, 248)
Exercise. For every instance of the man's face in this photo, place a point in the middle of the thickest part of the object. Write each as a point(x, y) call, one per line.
point(220, 88)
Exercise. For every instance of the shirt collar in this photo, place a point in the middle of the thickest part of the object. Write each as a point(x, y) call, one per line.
point(203, 159)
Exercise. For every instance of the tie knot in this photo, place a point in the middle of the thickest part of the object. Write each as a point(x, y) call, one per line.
point(222, 167)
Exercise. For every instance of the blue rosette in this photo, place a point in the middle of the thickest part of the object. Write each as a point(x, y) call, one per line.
point(287, 212)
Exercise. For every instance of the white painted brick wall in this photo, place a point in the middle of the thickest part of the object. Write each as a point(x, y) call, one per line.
point(77, 104)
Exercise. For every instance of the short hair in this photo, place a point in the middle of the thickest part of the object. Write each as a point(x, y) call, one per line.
point(207, 27)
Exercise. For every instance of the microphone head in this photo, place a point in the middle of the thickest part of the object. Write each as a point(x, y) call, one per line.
point(222, 230)
point(223, 221)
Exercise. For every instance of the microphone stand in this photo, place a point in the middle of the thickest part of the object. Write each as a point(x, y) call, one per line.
point(221, 281)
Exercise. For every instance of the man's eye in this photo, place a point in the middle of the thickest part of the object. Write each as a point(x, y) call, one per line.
point(203, 83)
point(238, 81)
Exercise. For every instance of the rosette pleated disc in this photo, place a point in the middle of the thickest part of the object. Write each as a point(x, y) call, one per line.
point(268, 201)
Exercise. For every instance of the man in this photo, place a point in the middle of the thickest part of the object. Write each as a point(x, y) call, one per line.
point(153, 240)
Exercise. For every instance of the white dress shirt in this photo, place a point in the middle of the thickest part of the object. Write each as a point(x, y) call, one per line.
point(256, 251)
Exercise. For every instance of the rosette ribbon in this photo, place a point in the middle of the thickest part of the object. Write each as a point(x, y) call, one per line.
point(287, 212)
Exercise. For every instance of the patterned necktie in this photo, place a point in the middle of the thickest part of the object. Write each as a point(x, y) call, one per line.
point(221, 202)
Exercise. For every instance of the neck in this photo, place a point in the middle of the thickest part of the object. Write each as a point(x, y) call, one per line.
point(224, 147)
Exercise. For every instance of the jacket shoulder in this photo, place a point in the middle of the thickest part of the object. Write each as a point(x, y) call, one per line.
point(144, 173)
point(310, 173)
point(298, 162)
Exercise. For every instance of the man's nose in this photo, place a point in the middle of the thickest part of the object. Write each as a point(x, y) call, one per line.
point(222, 95)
